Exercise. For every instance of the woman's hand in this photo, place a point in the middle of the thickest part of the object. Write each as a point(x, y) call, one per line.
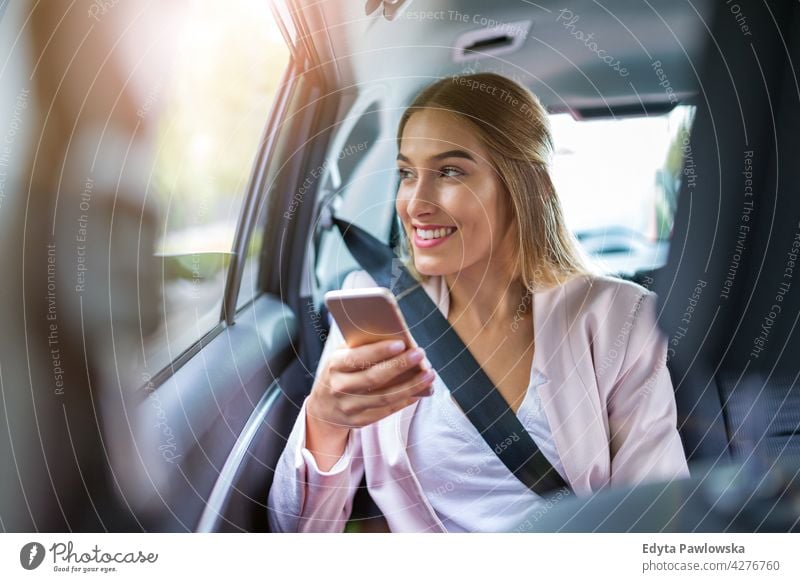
point(359, 386)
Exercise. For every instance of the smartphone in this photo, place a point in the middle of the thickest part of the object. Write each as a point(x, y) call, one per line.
point(368, 315)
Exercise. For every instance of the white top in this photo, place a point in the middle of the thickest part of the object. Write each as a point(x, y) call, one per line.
point(467, 484)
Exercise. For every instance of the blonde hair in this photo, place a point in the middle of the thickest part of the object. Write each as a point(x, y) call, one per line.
point(513, 126)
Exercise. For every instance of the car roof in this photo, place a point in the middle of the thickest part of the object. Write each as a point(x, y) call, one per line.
point(573, 60)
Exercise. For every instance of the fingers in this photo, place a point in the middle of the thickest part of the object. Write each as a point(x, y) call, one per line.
point(364, 377)
point(417, 384)
point(355, 359)
point(360, 388)
point(396, 396)
point(375, 414)
point(402, 377)
point(390, 372)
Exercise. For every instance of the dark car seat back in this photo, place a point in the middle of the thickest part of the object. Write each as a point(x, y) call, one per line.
point(730, 292)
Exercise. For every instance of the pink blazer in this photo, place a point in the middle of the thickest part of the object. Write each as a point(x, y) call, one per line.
point(608, 399)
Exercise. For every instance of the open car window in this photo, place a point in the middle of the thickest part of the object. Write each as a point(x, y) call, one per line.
point(213, 109)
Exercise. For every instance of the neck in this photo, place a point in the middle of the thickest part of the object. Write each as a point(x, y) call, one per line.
point(486, 299)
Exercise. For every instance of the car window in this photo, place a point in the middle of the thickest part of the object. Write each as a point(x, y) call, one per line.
point(618, 181)
point(225, 72)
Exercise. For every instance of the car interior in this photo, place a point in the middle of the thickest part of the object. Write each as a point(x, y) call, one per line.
point(687, 202)
point(726, 411)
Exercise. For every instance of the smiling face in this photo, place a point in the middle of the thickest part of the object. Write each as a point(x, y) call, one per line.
point(451, 201)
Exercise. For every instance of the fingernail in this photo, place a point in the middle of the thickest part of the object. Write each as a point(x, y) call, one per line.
point(426, 364)
point(397, 346)
point(429, 375)
point(415, 356)
point(428, 392)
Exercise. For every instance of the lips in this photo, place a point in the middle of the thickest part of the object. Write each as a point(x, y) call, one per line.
point(431, 236)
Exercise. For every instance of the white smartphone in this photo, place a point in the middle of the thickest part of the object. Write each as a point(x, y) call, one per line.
point(368, 315)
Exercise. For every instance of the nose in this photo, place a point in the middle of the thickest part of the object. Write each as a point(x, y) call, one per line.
point(421, 201)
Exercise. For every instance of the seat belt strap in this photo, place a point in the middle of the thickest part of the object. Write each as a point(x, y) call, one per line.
point(472, 389)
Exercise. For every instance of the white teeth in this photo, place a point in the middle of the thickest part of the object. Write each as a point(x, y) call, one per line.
point(428, 234)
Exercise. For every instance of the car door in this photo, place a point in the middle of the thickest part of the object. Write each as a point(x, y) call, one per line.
point(209, 406)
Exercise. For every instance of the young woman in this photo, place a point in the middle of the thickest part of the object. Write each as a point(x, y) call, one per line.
point(577, 356)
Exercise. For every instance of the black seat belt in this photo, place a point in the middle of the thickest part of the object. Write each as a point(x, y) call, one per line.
point(472, 389)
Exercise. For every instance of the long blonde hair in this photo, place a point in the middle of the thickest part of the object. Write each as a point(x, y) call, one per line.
point(512, 124)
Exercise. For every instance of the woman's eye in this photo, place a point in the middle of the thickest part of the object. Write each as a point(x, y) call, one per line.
point(402, 173)
point(451, 172)
point(446, 172)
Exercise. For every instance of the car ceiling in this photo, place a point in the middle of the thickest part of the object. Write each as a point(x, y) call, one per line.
point(409, 52)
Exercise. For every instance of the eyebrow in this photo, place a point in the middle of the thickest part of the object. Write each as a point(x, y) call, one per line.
point(441, 156)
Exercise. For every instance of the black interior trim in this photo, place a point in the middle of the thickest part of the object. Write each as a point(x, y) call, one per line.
point(235, 469)
point(249, 212)
point(170, 369)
